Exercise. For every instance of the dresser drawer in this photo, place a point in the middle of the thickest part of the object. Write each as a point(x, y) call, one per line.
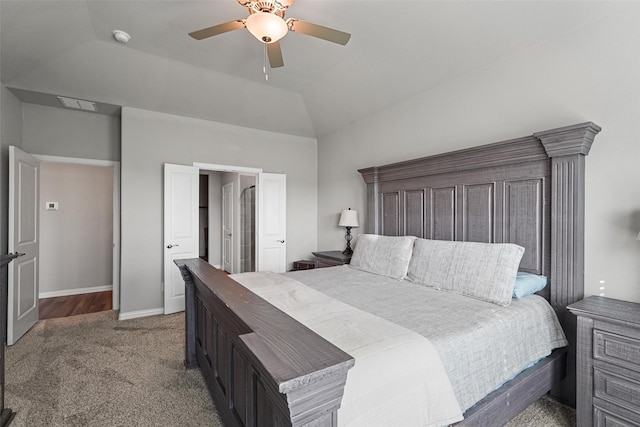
point(605, 419)
point(617, 389)
point(607, 362)
point(616, 349)
point(331, 258)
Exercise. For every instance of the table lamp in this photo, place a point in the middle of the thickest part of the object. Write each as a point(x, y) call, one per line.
point(348, 219)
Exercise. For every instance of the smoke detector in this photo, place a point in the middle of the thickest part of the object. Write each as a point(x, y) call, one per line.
point(121, 36)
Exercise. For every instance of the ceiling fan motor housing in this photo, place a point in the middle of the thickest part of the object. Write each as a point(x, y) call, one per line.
point(270, 6)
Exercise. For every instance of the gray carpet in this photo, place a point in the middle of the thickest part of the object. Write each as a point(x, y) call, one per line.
point(92, 370)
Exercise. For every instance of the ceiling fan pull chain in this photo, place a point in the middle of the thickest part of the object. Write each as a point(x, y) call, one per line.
point(264, 65)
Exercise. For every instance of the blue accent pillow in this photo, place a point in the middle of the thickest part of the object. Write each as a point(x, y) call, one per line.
point(527, 284)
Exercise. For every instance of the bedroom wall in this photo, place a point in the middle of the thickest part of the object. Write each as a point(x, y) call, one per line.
point(150, 139)
point(70, 133)
point(590, 74)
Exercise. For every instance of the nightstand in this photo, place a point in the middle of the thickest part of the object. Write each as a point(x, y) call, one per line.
point(331, 259)
point(303, 264)
point(608, 362)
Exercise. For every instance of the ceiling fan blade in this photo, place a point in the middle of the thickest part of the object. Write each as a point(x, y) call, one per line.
point(217, 29)
point(275, 55)
point(315, 30)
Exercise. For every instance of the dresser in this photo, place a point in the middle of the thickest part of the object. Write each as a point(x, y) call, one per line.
point(331, 258)
point(608, 362)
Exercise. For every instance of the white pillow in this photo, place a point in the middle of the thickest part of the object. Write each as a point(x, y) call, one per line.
point(384, 255)
point(486, 271)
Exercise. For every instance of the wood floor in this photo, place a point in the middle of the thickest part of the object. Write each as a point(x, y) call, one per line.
point(75, 304)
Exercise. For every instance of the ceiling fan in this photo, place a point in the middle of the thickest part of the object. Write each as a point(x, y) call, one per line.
point(266, 22)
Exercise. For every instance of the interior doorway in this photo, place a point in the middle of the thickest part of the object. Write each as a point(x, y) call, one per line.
point(228, 219)
point(71, 196)
point(181, 235)
point(90, 208)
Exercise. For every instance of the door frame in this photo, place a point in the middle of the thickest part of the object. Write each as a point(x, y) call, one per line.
point(226, 168)
point(116, 210)
point(228, 211)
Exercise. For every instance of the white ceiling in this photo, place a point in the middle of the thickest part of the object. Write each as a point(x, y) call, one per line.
point(397, 49)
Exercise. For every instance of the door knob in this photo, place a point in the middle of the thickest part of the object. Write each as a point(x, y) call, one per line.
point(169, 246)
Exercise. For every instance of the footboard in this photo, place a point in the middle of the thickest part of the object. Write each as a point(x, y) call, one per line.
point(262, 367)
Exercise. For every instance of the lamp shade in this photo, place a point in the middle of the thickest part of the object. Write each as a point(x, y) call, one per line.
point(266, 27)
point(348, 218)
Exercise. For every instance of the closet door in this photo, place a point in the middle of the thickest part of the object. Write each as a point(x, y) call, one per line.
point(272, 222)
point(23, 284)
point(181, 221)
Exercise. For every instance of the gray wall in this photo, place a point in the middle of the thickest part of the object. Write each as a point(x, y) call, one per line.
point(590, 74)
point(151, 139)
point(76, 241)
point(69, 133)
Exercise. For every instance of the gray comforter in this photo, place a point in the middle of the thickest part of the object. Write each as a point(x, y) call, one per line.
point(482, 345)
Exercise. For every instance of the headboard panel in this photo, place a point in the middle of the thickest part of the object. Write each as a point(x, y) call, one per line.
point(528, 191)
point(505, 205)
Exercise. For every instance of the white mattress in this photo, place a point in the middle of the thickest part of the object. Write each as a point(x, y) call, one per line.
point(481, 344)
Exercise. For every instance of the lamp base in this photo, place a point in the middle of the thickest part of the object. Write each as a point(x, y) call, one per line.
point(348, 238)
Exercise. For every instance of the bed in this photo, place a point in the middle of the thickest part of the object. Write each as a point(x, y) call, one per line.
point(263, 367)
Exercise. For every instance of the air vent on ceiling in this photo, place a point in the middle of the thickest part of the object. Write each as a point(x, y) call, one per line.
point(78, 104)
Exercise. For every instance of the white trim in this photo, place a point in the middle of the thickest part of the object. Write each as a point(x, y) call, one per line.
point(225, 168)
point(116, 236)
point(78, 291)
point(116, 210)
point(140, 313)
point(75, 160)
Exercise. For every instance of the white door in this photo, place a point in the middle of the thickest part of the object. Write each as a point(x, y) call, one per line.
point(272, 222)
point(23, 289)
point(227, 228)
point(180, 229)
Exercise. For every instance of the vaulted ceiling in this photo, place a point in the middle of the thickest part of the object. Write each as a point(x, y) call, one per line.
point(397, 49)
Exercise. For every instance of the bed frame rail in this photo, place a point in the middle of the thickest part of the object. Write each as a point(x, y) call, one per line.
point(262, 367)
point(516, 395)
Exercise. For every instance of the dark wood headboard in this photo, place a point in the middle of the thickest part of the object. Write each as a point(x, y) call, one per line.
point(528, 191)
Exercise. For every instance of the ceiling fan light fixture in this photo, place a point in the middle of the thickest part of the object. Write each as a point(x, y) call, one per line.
point(266, 27)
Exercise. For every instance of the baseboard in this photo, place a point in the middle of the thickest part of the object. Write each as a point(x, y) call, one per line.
point(140, 313)
point(78, 291)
